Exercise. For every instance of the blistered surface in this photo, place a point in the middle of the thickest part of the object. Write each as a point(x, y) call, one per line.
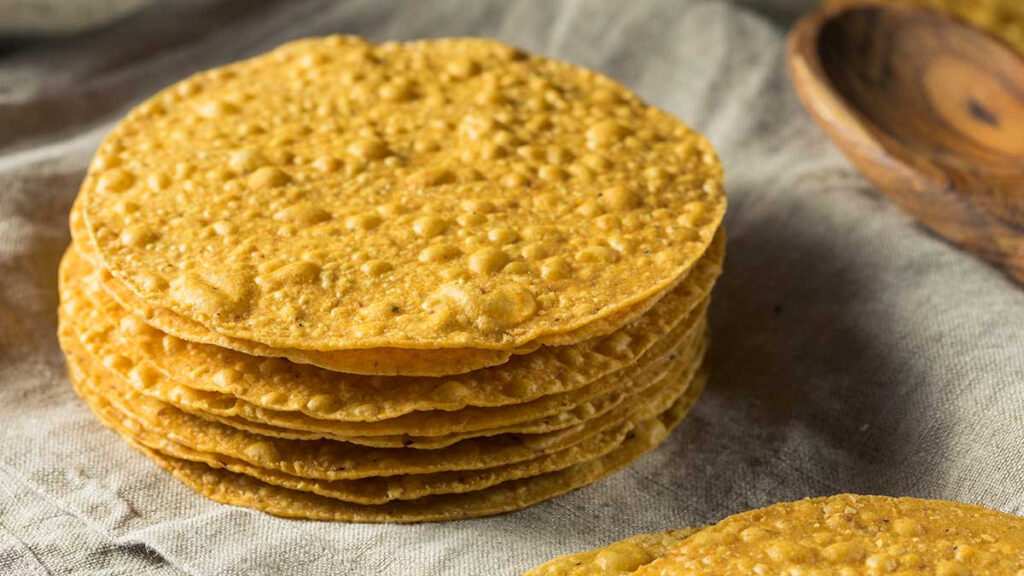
point(854, 535)
point(333, 195)
point(379, 361)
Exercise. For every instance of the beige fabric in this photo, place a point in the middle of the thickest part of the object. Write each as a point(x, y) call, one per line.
point(852, 352)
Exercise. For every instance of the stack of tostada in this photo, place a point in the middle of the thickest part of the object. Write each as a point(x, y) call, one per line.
point(393, 283)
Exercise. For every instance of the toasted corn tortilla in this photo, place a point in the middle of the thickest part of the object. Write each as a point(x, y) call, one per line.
point(240, 490)
point(851, 534)
point(278, 385)
point(105, 345)
point(686, 359)
point(370, 490)
point(385, 361)
point(454, 232)
point(618, 559)
point(614, 407)
point(281, 385)
point(336, 460)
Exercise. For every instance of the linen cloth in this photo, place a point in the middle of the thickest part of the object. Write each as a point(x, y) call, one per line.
point(852, 350)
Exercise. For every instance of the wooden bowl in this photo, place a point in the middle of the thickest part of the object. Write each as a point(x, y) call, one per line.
point(930, 110)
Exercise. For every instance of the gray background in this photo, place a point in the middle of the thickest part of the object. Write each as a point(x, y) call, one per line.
point(852, 352)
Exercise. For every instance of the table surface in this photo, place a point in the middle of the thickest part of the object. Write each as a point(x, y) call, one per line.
point(852, 350)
